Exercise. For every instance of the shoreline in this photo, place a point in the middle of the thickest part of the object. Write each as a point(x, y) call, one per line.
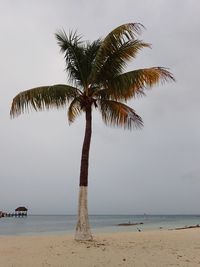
point(56, 224)
point(120, 228)
point(140, 249)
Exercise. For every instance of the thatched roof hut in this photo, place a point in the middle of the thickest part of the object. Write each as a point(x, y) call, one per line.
point(21, 209)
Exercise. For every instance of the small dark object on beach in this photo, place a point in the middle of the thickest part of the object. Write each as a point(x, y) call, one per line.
point(129, 224)
point(188, 227)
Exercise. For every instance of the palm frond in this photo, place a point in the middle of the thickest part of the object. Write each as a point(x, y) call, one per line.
point(73, 50)
point(133, 83)
point(79, 57)
point(66, 41)
point(118, 114)
point(88, 58)
point(124, 32)
point(74, 109)
point(116, 62)
point(121, 37)
point(42, 98)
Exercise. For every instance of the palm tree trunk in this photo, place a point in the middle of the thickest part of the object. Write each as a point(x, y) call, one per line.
point(83, 231)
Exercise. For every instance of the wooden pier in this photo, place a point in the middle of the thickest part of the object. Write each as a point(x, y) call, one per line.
point(19, 212)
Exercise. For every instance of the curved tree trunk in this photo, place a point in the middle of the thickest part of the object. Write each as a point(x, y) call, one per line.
point(83, 228)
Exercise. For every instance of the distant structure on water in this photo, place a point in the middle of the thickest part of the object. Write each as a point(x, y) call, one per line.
point(19, 212)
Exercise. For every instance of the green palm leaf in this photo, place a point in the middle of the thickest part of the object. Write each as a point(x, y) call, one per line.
point(44, 97)
point(116, 62)
point(87, 61)
point(130, 84)
point(74, 110)
point(119, 45)
point(122, 33)
point(73, 51)
point(118, 114)
point(79, 57)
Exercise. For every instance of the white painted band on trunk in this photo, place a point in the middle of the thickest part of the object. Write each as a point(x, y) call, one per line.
point(83, 228)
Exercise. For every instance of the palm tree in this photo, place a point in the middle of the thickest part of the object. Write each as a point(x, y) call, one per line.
point(98, 80)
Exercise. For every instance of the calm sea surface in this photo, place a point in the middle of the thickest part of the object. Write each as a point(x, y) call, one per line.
point(59, 224)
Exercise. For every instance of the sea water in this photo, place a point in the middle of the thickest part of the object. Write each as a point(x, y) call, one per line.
point(59, 224)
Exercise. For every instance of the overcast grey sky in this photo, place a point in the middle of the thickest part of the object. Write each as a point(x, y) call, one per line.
point(154, 170)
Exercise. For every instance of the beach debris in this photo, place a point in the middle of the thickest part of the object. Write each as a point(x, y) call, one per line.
point(129, 224)
point(188, 227)
point(93, 243)
point(101, 244)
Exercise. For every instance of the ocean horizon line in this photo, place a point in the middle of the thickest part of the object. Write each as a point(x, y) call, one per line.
point(142, 214)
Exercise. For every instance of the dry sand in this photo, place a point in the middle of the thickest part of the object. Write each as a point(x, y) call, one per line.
point(144, 249)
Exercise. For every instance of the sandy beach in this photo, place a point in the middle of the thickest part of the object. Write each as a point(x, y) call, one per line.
point(140, 249)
